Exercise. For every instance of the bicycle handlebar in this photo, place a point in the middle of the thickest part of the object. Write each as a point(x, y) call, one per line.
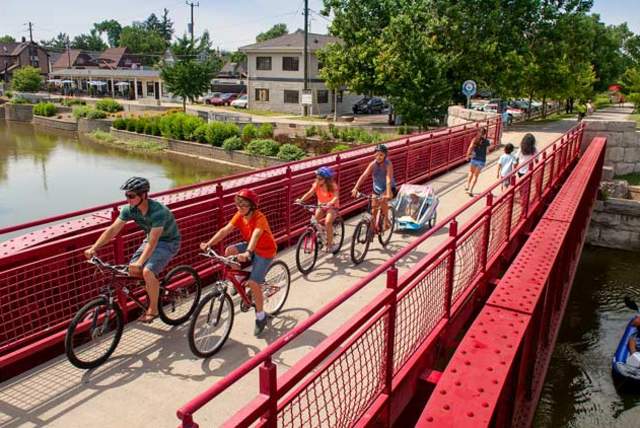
point(371, 196)
point(231, 261)
point(119, 269)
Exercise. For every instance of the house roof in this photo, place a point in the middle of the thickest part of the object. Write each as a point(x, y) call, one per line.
point(292, 41)
point(67, 59)
point(111, 57)
point(12, 49)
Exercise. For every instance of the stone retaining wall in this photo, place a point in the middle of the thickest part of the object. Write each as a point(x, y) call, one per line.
point(53, 123)
point(18, 112)
point(1, 112)
point(615, 224)
point(87, 126)
point(623, 144)
point(458, 115)
point(201, 150)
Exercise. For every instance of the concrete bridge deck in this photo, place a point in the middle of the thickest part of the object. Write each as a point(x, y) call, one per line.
point(153, 372)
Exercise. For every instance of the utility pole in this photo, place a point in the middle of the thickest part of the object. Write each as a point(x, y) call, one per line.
point(306, 52)
point(30, 31)
point(192, 4)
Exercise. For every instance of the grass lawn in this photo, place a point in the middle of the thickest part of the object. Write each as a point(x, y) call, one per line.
point(633, 178)
point(635, 117)
point(250, 111)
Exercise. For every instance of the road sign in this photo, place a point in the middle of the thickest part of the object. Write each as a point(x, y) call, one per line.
point(307, 97)
point(469, 88)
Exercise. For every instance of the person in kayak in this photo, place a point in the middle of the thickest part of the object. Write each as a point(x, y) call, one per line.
point(634, 340)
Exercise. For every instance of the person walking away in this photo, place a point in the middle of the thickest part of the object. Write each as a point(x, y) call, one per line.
point(327, 194)
point(258, 247)
point(160, 245)
point(477, 155)
point(506, 165)
point(527, 152)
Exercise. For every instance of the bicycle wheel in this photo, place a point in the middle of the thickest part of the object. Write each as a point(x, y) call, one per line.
point(307, 251)
point(360, 242)
point(179, 294)
point(93, 334)
point(338, 234)
point(276, 287)
point(385, 237)
point(211, 324)
point(432, 221)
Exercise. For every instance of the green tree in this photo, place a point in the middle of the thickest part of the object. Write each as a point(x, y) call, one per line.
point(7, 39)
point(89, 42)
point(26, 79)
point(237, 56)
point(58, 43)
point(141, 40)
point(275, 31)
point(334, 72)
point(112, 28)
point(190, 75)
point(166, 27)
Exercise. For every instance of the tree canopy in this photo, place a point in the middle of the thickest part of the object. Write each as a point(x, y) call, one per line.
point(189, 76)
point(275, 31)
point(7, 39)
point(26, 79)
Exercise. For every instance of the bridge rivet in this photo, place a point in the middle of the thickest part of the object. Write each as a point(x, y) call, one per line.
point(446, 407)
point(470, 414)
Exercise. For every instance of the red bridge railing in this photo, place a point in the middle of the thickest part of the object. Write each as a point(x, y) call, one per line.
point(497, 373)
point(44, 282)
point(366, 371)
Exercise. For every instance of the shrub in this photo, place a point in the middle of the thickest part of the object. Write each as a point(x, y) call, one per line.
point(218, 132)
point(96, 114)
point(109, 105)
point(131, 124)
point(120, 123)
point(26, 79)
point(339, 148)
point(200, 133)
point(81, 111)
point(265, 131)
point(102, 136)
point(311, 131)
point(141, 124)
point(189, 125)
point(233, 143)
point(249, 132)
point(9, 94)
point(45, 109)
point(263, 147)
point(334, 131)
point(69, 102)
point(19, 100)
point(289, 152)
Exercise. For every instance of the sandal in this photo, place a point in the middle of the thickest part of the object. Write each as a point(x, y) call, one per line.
point(148, 318)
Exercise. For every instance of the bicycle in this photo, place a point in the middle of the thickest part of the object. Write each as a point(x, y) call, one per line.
point(367, 228)
point(314, 238)
point(96, 328)
point(211, 324)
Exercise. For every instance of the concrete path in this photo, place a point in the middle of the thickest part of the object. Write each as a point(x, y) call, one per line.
point(615, 113)
point(152, 372)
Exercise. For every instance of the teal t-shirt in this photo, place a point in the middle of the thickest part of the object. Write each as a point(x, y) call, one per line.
point(158, 215)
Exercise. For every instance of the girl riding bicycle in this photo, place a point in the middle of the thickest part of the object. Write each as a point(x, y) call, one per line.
point(327, 194)
point(259, 246)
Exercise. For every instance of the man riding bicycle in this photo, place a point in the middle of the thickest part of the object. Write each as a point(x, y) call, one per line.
point(259, 247)
point(384, 183)
point(160, 245)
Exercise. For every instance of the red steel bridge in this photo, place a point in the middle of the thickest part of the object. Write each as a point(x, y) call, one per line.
point(463, 337)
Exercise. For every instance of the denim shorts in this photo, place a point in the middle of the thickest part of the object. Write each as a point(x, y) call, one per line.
point(478, 163)
point(161, 256)
point(259, 265)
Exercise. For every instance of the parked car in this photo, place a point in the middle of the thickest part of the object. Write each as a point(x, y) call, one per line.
point(211, 95)
point(369, 106)
point(241, 102)
point(223, 99)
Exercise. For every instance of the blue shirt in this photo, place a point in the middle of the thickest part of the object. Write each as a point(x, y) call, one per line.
point(480, 152)
point(379, 175)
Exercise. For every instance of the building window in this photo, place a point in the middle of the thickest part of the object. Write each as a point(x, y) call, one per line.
point(323, 96)
point(150, 90)
point(262, 94)
point(263, 63)
point(291, 97)
point(290, 63)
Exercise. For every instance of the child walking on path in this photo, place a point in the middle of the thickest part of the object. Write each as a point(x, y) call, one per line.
point(506, 165)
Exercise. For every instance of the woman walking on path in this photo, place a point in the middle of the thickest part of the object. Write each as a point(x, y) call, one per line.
point(477, 154)
point(527, 152)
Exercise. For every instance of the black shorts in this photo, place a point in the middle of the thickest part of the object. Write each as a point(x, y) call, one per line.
point(394, 192)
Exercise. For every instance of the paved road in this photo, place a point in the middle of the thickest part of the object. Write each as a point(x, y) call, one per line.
point(152, 372)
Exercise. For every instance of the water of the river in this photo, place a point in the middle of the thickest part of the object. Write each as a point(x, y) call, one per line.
point(579, 390)
point(43, 174)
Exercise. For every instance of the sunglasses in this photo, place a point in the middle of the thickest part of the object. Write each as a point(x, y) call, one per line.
point(243, 205)
point(131, 195)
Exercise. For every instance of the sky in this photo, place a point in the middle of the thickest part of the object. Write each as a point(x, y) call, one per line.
point(231, 23)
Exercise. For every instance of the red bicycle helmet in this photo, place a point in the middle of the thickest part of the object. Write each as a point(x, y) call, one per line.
point(249, 195)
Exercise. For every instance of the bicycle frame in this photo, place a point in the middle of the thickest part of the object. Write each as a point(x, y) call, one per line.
point(231, 274)
point(117, 286)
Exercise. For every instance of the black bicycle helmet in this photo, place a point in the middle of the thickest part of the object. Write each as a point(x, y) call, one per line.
point(381, 148)
point(136, 184)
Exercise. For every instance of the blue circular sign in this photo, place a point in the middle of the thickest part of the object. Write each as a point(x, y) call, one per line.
point(469, 88)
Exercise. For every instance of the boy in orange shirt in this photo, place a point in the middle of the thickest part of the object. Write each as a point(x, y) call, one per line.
point(258, 247)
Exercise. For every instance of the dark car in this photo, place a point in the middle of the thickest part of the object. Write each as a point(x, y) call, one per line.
point(369, 106)
point(223, 99)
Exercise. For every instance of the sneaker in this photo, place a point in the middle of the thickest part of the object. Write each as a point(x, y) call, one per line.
point(260, 325)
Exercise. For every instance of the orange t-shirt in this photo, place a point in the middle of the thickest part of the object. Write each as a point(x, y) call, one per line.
point(266, 246)
point(324, 196)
